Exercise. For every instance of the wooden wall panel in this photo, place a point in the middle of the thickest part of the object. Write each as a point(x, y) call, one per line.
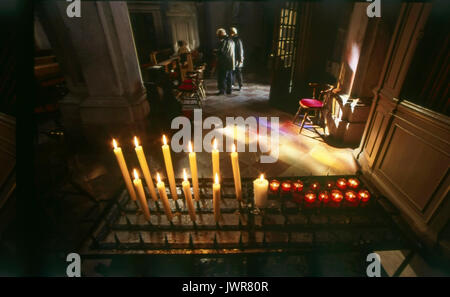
point(377, 130)
point(409, 34)
point(406, 149)
point(374, 132)
point(416, 164)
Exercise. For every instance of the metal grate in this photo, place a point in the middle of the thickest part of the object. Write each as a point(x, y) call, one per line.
point(284, 226)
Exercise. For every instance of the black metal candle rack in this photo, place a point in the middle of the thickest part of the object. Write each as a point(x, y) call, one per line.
point(284, 226)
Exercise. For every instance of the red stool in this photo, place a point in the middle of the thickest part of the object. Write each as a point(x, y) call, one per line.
point(192, 89)
point(313, 104)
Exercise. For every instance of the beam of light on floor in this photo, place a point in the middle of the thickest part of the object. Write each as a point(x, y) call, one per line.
point(322, 155)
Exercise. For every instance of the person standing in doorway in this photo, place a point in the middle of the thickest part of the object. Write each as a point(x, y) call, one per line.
point(239, 57)
point(225, 62)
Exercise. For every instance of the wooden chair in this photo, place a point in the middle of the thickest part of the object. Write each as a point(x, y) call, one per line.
point(192, 87)
point(313, 104)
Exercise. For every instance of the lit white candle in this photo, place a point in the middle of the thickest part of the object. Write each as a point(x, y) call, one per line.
point(236, 173)
point(169, 169)
point(260, 186)
point(187, 195)
point(215, 159)
point(194, 173)
point(141, 195)
point(216, 198)
point(145, 170)
point(124, 169)
point(163, 195)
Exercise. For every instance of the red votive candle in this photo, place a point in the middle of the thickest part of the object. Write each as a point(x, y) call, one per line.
point(324, 197)
point(364, 195)
point(353, 183)
point(350, 196)
point(341, 183)
point(286, 187)
point(310, 197)
point(274, 186)
point(329, 185)
point(314, 186)
point(336, 196)
point(297, 186)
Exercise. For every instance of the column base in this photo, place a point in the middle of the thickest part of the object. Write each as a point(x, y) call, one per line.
point(93, 122)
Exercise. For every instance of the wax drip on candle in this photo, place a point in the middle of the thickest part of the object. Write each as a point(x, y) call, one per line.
point(114, 143)
point(136, 142)
point(185, 175)
point(135, 173)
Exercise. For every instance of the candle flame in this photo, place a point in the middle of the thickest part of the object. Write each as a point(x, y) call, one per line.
point(185, 175)
point(114, 143)
point(136, 141)
point(233, 148)
point(190, 147)
point(136, 175)
point(215, 144)
point(216, 179)
point(261, 177)
point(164, 139)
point(158, 178)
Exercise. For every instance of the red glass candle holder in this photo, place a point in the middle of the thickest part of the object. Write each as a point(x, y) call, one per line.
point(310, 197)
point(336, 196)
point(364, 195)
point(329, 185)
point(353, 183)
point(341, 183)
point(286, 187)
point(350, 196)
point(315, 186)
point(351, 199)
point(274, 186)
point(324, 197)
point(297, 186)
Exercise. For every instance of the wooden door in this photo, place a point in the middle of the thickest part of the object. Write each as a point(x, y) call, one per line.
point(283, 53)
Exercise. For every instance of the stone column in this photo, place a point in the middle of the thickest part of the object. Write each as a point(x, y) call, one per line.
point(97, 54)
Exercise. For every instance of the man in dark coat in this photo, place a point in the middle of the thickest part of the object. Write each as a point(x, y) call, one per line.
point(239, 57)
point(225, 62)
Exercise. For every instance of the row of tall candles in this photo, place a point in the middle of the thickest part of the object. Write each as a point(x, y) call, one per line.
point(260, 185)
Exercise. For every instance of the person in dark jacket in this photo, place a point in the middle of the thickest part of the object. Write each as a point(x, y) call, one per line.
point(239, 57)
point(225, 62)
